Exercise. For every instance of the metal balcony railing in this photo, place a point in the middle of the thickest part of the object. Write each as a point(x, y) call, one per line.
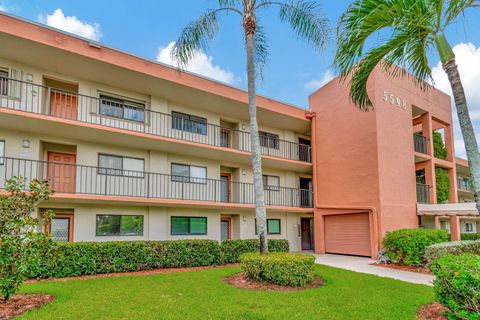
point(89, 180)
point(423, 193)
point(463, 184)
point(111, 112)
point(420, 143)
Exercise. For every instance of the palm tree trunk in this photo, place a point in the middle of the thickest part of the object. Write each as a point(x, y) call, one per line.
point(260, 212)
point(468, 132)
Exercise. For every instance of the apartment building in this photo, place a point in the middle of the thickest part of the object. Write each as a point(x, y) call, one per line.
point(134, 150)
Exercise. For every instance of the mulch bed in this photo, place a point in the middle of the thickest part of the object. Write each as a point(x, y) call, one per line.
point(434, 311)
point(132, 273)
point(21, 303)
point(241, 281)
point(404, 268)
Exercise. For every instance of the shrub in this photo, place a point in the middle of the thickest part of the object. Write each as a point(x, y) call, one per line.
point(438, 250)
point(457, 285)
point(232, 249)
point(439, 149)
point(443, 184)
point(470, 236)
point(19, 241)
point(286, 269)
point(90, 258)
point(407, 246)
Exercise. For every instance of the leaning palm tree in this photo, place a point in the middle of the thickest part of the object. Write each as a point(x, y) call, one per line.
point(407, 29)
point(306, 21)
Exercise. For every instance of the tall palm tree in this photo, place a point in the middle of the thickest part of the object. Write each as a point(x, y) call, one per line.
point(306, 21)
point(407, 29)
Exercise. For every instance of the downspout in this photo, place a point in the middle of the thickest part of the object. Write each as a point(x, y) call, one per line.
point(372, 210)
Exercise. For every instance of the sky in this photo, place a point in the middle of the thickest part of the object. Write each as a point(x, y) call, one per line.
point(149, 28)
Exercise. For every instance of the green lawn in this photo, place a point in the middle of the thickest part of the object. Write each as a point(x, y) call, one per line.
point(204, 295)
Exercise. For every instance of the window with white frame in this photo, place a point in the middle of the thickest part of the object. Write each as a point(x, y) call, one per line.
point(269, 140)
point(271, 182)
point(122, 108)
point(189, 123)
point(468, 227)
point(2, 152)
point(188, 173)
point(121, 166)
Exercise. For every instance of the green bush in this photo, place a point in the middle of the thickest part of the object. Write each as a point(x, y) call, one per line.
point(438, 250)
point(407, 246)
point(457, 285)
point(470, 236)
point(439, 149)
point(286, 269)
point(232, 249)
point(443, 185)
point(90, 258)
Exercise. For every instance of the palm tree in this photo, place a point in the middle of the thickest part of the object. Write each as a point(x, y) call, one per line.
point(407, 29)
point(306, 21)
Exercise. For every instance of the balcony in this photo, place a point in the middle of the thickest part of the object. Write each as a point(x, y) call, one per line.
point(44, 100)
point(423, 193)
point(420, 143)
point(89, 180)
point(464, 185)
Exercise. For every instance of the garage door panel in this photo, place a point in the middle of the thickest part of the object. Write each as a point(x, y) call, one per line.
point(348, 234)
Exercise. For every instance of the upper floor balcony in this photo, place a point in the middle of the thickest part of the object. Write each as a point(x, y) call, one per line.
point(127, 115)
point(423, 193)
point(112, 184)
point(464, 185)
point(420, 143)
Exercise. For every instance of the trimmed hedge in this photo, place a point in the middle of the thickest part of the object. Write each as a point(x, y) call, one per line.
point(457, 285)
point(232, 249)
point(90, 258)
point(407, 246)
point(286, 269)
point(470, 236)
point(438, 250)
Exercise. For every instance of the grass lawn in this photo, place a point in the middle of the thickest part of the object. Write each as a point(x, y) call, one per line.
point(204, 295)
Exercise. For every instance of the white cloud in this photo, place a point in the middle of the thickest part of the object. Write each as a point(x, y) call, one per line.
point(468, 61)
point(315, 84)
point(72, 24)
point(200, 64)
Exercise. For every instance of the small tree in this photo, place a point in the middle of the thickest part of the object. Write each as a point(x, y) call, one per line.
point(443, 185)
point(19, 240)
point(439, 149)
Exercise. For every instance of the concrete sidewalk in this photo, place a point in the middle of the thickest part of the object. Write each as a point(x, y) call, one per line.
point(363, 265)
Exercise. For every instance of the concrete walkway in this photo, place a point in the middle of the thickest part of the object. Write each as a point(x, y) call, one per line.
point(363, 265)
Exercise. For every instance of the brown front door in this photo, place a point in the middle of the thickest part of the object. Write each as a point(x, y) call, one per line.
point(61, 172)
point(348, 234)
point(226, 229)
point(63, 105)
point(307, 239)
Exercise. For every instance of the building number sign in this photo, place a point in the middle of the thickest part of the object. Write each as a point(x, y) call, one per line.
point(394, 100)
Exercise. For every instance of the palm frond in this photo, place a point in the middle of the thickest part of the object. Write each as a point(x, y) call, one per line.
point(194, 37)
point(307, 21)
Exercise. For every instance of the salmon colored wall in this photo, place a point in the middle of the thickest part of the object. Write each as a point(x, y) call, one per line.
point(366, 159)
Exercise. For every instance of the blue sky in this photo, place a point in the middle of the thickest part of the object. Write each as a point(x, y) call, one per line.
point(294, 69)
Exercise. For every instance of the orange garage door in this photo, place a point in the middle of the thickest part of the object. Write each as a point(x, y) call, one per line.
point(348, 234)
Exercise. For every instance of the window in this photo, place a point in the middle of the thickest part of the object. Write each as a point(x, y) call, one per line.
point(123, 109)
point(119, 225)
point(274, 226)
point(188, 225)
point(187, 173)
point(120, 166)
point(3, 82)
point(271, 183)
point(468, 227)
point(2, 152)
point(189, 123)
point(269, 140)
